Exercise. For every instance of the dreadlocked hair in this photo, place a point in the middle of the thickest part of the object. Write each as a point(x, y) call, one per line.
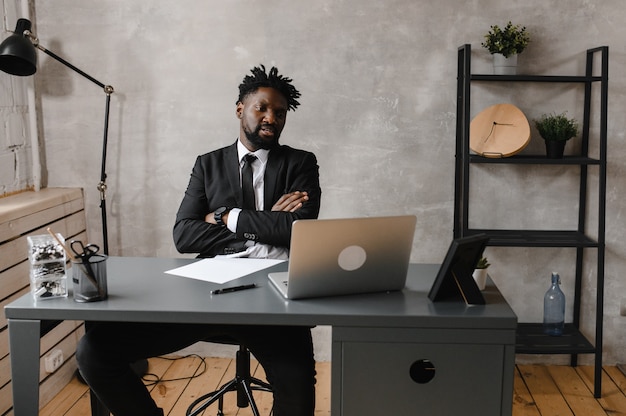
point(259, 79)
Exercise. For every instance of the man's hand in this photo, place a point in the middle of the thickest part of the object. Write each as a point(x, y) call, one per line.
point(291, 202)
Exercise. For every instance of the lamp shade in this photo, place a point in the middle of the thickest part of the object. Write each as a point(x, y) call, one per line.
point(17, 53)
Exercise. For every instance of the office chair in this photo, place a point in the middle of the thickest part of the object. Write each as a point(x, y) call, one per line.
point(243, 384)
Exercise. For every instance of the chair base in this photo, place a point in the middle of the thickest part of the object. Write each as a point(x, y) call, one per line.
point(243, 384)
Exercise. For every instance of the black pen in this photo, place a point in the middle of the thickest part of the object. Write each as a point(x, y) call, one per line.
point(233, 289)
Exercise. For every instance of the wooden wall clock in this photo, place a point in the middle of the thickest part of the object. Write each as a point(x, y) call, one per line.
point(498, 131)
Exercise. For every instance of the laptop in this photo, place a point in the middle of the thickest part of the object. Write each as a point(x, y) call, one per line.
point(332, 257)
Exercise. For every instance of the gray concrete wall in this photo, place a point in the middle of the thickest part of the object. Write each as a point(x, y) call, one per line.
point(378, 83)
point(17, 96)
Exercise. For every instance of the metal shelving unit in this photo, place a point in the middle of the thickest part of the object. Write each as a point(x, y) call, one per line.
point(530, 339)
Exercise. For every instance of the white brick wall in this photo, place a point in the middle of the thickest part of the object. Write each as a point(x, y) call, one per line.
point(15, 139)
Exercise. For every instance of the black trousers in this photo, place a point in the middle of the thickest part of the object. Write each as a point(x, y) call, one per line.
point(106, 351)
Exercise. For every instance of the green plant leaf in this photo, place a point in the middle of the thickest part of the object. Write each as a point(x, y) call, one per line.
point(556, 127)
point(511, 40)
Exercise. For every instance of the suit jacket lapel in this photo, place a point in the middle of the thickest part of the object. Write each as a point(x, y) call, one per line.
point(231, 166)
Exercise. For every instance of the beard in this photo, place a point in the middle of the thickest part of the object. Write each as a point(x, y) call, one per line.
point(255, 138)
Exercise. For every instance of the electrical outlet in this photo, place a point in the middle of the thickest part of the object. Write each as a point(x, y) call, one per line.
point(53, 360)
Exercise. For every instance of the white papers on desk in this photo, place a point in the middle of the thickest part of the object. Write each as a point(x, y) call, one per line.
point(222, 270)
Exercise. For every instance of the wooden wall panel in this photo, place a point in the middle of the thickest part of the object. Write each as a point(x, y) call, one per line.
point(21, 215)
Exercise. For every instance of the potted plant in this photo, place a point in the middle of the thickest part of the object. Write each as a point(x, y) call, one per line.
point(480, 272)
point(505, 44)
point(556, 130)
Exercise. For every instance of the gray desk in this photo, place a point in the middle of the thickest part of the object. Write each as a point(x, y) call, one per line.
point(376, 338)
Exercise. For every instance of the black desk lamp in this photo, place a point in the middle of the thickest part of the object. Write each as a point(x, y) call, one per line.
point(18, 57)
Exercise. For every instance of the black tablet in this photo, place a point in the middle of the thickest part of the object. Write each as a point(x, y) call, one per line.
point(454, 280)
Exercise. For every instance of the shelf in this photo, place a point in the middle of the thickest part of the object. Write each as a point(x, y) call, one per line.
point(535, 160)
point(535, 238)
point(535, 78)
point(530, 339)
point(592, 185)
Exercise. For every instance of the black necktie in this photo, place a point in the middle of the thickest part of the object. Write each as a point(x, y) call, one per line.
point(246, 182)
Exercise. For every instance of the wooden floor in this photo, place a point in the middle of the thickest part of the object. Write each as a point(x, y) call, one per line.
point(538, 390)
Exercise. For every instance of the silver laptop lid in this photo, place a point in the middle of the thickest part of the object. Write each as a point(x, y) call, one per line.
point(348, 256)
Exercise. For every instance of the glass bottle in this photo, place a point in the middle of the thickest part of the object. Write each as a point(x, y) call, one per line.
point(554, 308)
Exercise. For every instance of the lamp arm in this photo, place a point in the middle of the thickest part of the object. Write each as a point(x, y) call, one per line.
point(108, 90)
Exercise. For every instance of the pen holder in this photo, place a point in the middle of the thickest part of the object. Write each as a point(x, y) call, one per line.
point(89, 278)
point(48, 279)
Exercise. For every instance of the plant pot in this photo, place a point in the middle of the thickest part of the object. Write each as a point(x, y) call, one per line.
point(480, 277)
point(504, 66)
point(555, 148)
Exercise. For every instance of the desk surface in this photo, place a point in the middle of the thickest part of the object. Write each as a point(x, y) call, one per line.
point(139, 290)
point(402, 326)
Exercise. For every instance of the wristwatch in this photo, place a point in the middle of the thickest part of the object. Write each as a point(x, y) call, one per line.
point(218, 215)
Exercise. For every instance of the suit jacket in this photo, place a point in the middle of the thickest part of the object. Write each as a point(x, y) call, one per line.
point(215, 183)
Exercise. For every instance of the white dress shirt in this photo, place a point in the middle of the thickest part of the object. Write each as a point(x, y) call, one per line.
point(255, 250)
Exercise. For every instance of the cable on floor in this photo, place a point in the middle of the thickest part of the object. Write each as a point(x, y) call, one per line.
point(152, 379)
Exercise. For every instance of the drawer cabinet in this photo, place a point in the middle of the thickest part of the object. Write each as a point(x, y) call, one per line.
point(441, 374)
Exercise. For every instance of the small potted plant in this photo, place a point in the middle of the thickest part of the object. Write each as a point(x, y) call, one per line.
point(480, 272)
point(505, 44)
point(556, 130)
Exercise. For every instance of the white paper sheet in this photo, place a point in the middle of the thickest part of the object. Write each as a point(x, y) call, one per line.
point(222, 270)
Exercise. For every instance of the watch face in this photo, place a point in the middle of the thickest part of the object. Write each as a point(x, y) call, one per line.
point(218, 215)
point(499, 131)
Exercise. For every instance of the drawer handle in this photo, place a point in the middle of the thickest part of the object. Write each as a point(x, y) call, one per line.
point(422, 371)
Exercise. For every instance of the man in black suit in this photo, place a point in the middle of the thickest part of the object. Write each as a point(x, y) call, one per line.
point(218, 217)
point(286, 181)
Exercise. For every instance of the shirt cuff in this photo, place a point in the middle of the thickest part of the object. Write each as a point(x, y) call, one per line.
point(233, 217)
